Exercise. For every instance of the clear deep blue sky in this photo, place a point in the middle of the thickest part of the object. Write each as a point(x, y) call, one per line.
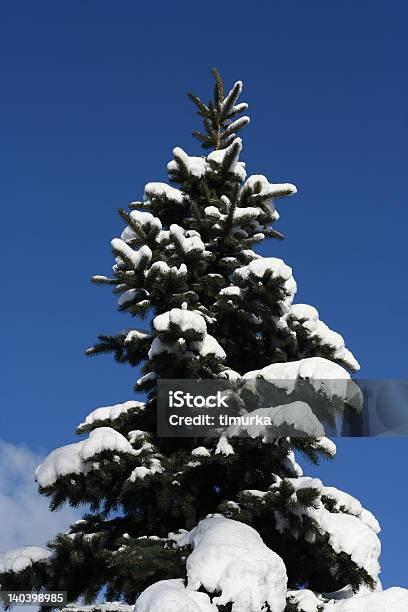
point(92, 103)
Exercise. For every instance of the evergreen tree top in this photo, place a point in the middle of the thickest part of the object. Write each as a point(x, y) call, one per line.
point(220, 115)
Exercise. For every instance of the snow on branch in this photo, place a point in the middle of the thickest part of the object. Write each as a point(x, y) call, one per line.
point(266, 269)
point(185, 320)
point(394, 599)
point(326, 446)
point(305, 601)
point(325, 376)
point(304, 319)
point(183, 333)
point(343, 502)
point(172, 596)
point(226, 160)
point(136, 259)
point(163, 191)
point(184, 166)
point(268, 423)
point(145, 220)
point(257, 190)
point(194, 166)
point(347, 533)
point(188, 241)
point(140, 473)
point(230, 557)
point(111, 413)
point(72, 458)
point(18, 559)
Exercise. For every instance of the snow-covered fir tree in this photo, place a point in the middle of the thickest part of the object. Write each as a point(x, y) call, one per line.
point(227, 524)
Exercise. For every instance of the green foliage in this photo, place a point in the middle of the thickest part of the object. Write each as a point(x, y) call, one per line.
point(217, 115)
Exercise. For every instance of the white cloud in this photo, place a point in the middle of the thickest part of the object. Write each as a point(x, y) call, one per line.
point(24, 514)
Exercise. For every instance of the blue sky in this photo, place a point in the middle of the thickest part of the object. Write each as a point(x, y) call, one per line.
point(93, 101)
